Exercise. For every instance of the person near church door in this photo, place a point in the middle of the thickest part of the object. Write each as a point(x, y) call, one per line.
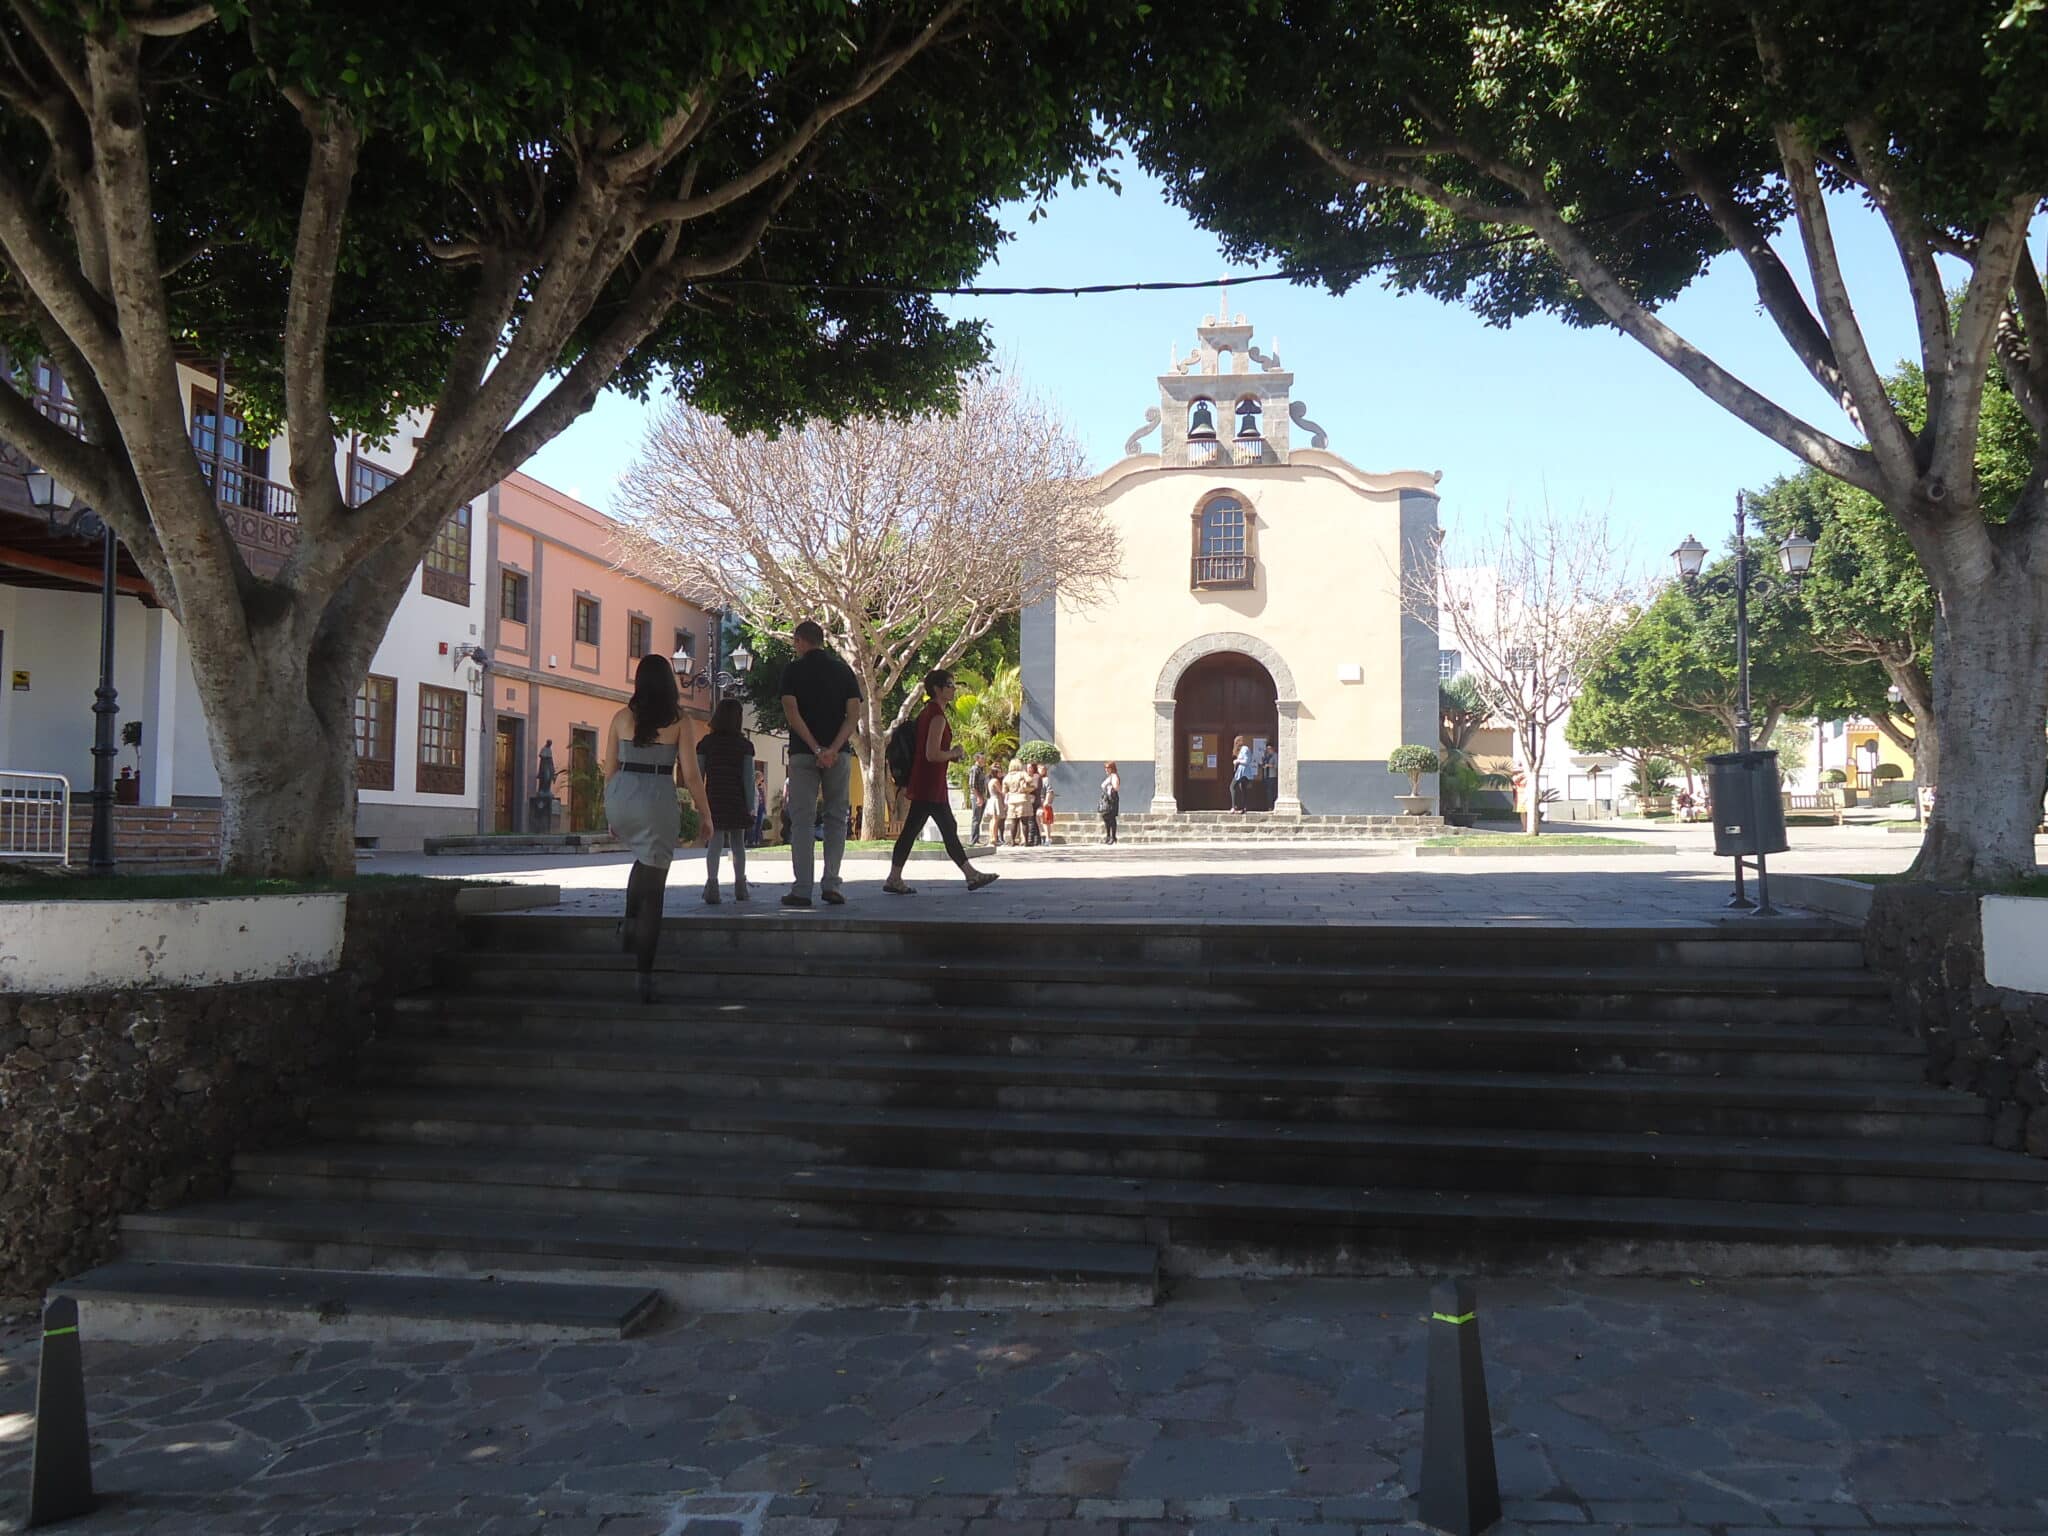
point(1045, 811)
point(1269, 778)
point(1110, 802)
point(1244, 775)
point(1017, 801)
point(725, 758)
point(821, 701)
point(995, 806)
point(760, 835)
point(928, 793)
point(643, 746)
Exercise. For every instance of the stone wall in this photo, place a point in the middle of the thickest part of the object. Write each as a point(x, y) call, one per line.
point(112, 1102)
point(1929, 945)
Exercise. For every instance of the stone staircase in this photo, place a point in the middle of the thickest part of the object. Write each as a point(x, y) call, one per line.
point(830, 1110)
point(1076, 829)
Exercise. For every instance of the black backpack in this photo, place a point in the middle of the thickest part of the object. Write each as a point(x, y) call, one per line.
point(901, 753)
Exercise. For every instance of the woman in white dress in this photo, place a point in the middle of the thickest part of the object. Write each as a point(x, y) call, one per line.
point(646, 741)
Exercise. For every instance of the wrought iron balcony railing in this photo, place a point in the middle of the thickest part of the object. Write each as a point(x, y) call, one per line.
point(1224, 572)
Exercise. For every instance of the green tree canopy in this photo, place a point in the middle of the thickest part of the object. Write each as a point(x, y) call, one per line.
point(1589, 162)
point(489, 213)
point(1671, 678)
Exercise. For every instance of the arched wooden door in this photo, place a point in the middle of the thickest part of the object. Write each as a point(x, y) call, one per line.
point(1219, 699)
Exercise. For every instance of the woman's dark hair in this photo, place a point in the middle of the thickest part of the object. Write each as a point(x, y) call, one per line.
point(656, 703)
point(934, 681)
point(729, 719)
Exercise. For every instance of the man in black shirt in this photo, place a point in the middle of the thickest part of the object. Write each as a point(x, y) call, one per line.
point(821, 700)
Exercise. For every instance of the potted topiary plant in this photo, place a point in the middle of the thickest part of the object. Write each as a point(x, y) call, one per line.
point(1415, 761)
point(1036, 752)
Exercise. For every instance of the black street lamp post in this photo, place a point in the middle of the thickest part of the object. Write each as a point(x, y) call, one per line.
point(719, 680)
point(1795, 558)
point(55, 499)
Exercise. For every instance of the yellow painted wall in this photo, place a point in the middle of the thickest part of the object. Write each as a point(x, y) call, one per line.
point(1326, 596)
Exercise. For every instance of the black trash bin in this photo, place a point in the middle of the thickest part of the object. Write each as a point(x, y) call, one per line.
point(1749, 818)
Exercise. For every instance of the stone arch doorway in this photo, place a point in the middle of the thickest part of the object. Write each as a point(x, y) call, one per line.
point(1219, 687)
point(1219, 699)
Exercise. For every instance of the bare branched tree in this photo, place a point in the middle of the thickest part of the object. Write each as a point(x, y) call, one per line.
point(891, 534)
point(1532, 605)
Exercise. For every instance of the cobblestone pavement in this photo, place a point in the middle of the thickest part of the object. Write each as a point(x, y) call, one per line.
point(1354, 883)
point(1277, 1408)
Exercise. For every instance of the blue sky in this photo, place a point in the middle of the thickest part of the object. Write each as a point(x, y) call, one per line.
point(1511, 417)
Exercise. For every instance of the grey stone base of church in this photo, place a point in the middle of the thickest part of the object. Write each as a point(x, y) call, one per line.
point(1329, 788)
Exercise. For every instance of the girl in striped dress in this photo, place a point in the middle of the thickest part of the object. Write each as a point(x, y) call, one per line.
point(725, 756)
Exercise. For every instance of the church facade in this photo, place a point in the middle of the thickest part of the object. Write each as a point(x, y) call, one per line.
point(1259, 598)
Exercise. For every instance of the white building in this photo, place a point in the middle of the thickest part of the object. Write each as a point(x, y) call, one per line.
point(418, 719)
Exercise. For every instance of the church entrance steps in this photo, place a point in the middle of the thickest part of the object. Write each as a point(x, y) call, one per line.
point(1076, 829)
point(828, 1110)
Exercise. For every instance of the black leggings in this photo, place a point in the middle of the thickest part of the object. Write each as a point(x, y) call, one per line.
point(1109, 826)
point(1240, 794)
point(940, 814)
point(646, 888)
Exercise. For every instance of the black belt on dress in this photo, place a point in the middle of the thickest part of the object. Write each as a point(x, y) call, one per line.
point(647, 768)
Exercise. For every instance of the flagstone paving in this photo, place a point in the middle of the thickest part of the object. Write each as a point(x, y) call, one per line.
point(1278, 1408)
point(1359, 883)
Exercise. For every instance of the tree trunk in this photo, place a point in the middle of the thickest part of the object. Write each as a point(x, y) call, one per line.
point(1990, 716)
point(287, 784)
point(282, 730)
point(1532, 812)
point(1926, 740)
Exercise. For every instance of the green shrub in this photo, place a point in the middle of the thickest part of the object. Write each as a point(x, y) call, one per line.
point(1035, 752)
point(1834, 776)
point(1890, 771)
point(1413, 760)
point(692, 823)
point(1655, 777)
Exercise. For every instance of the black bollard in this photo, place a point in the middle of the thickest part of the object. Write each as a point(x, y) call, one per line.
point(1460, 1489)
point(60, 1479)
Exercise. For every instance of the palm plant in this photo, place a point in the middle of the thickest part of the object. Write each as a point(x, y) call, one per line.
point(987, 712)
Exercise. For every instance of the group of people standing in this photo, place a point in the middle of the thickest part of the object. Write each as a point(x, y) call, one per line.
point(1013, 800)
point(651, 741)
point(1254, 776)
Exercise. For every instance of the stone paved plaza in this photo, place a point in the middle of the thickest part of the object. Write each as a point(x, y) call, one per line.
point(1280, 1408)
point(1272, 1408)
point(1357, 883)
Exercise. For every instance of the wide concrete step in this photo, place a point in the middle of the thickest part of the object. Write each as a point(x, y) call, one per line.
point(1815, 995)
point(701, 1265)
point(1371, 1154)
point(140, 1299)
point(1202, 1227)
point(771, 936)
point(790, 1029)
point(1472, 1096)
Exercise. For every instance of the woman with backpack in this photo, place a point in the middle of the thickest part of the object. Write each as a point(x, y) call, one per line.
point(923, 778)
point(1110, 802)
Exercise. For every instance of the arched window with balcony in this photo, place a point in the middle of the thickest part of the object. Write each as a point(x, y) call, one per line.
point(1225, 556)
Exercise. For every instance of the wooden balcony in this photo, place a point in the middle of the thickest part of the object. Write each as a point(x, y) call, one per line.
point(1224, 573)
point(262, 516)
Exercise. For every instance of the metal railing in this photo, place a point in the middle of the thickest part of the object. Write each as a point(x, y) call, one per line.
point(35, 817)
point(1222, 571)
point(240, 488)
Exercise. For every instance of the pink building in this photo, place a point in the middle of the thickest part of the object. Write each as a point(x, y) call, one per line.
point(566, 628)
